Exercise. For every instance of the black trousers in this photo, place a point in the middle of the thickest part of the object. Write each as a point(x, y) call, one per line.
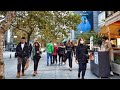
point(69, 55)
point(82, 68)
point(61, 56)
point(54, 58)
point(36, 61)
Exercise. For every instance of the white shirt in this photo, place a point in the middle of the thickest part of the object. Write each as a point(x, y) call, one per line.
point(22, 46)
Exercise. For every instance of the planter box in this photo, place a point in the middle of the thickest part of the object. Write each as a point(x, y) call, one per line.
point(100, 66)
point(116, 68)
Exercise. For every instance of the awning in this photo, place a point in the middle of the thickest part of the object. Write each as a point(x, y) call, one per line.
point(112, 29)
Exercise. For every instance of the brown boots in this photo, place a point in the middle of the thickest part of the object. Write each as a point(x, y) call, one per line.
point(22, 73)
point(18, 74)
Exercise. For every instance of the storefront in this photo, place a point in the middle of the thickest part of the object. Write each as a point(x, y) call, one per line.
point(113, 32)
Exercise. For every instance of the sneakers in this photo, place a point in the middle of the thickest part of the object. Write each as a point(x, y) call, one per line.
point(111, 73)
point(70, 69)
point(76, 61)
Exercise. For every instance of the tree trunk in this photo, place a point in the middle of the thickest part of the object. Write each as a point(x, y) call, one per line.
point(28, 39)
point(3, 28)
point(1, 56)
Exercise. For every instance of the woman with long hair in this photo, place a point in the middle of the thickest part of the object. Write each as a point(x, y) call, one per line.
point(69, 51)
point(36, 55)
point(82, 57)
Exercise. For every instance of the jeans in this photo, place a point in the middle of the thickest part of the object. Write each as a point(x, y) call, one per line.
point(21, 61)
point(49, 55)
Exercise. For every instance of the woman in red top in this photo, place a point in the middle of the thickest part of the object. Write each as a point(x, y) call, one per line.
point(55, 53)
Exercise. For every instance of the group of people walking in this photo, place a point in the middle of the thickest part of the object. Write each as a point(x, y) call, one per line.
point(24, 52)
point(64, 51)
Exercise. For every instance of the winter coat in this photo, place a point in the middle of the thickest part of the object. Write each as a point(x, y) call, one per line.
point(55, 50)
point(22, 53)
point(82, 53)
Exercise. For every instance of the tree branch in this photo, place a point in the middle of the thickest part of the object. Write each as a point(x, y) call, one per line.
point(23, 30)
point(7, 22)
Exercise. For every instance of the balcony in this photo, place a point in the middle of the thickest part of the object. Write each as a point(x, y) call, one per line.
point(113, 17)
point(110, 13)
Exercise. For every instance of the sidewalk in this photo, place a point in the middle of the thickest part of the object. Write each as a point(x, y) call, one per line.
point(46, 72)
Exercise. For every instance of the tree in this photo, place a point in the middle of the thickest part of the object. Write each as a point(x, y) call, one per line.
point(86, 35)
point(60, 23)
point(30, 21)
point(5, 24)
point(46, 24)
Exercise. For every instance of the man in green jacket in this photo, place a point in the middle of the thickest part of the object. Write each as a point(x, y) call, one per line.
point(50, 49)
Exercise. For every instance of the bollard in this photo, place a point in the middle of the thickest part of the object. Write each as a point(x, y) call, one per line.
point(10, 55)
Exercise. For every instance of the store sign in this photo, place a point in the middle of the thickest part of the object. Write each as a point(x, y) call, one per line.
point(101, 18)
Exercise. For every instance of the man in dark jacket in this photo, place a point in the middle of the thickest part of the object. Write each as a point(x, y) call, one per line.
point(27, 62)
point(82, 57)
point(22, 51)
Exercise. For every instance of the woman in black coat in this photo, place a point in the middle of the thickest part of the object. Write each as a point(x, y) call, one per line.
point(82, 56)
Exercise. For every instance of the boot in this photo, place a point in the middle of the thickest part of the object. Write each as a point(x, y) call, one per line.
point(26, 66)
point(18, 75)
point(22, 73)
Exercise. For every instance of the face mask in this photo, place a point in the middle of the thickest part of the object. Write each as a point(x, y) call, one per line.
point(81, 42)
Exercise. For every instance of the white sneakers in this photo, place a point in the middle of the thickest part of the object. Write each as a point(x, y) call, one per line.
point(111, 73)
point(70, 69)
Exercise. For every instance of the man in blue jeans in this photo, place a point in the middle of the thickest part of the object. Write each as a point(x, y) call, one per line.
point(50, 49)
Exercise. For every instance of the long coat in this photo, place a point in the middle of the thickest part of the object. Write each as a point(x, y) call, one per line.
point(81, 53)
